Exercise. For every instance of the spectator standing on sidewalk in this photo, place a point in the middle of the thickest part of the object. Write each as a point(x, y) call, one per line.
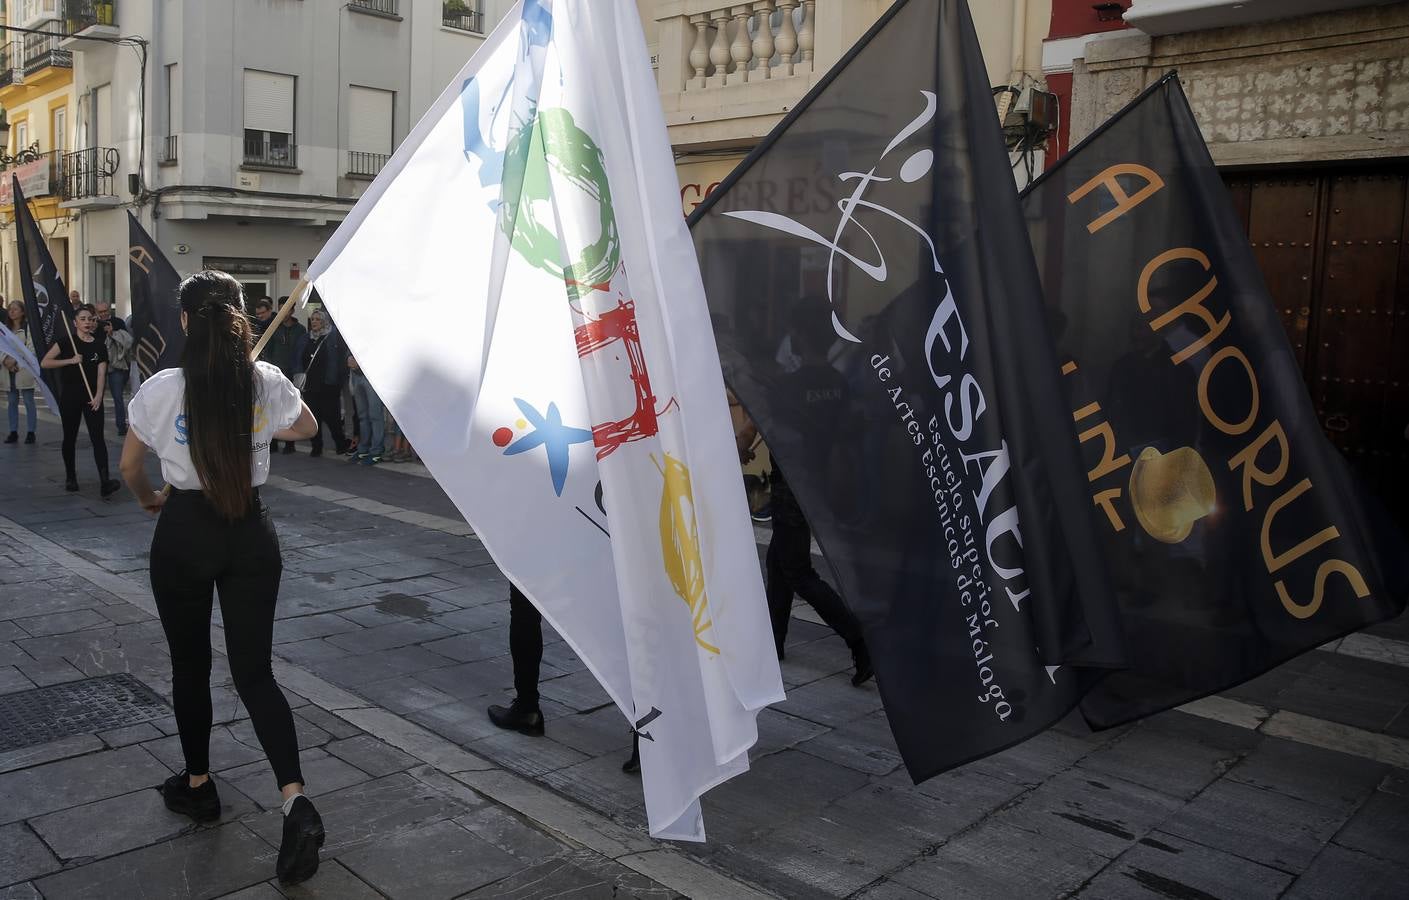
point(371, 428)
point(210, 421)
point(118, 340)
point(285, 351)
point(263, 317)
point(83, 366)
point(325, 367)
point(17, 378)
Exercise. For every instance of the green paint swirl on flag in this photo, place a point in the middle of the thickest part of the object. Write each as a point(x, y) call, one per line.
point(559, 146)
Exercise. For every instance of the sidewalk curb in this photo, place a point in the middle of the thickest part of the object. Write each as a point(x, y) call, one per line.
point(567, 820)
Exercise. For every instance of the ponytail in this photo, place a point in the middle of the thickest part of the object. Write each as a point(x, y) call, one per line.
point(220, 389)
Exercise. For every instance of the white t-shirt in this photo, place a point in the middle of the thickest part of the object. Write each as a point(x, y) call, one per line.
point(156, 414)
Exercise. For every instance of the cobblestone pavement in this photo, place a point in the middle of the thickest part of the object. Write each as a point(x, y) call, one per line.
point(392, 635)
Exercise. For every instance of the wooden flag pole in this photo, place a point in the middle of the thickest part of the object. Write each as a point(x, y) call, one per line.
point(74, 341)
point(277, 322)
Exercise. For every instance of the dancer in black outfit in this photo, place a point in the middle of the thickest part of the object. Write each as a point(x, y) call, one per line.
point(211, 422)
point(82, 361)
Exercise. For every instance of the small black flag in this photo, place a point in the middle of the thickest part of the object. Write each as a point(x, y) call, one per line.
point(156, 312)
point(878, 313)
point(1232, 529)
point(47, 306)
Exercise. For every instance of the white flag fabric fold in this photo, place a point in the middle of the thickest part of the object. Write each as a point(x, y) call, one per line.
point(520, 288)
point(12, 346)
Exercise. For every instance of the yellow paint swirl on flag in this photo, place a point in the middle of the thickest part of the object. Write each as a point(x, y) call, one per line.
point(680, 546)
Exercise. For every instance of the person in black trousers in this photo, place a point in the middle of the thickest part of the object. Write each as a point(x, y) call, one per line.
point(813, 391)
point(83, 364)
point(325, 362)
point(211, 422)
point(526, 650)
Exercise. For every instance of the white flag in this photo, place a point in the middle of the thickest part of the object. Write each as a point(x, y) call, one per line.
point(13, 346)
point(521, 290)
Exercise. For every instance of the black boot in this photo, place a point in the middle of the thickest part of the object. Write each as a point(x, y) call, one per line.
point(521, 717)
point(861, 659)
point(110, 486)
point(632, 766)
point(303, 835)
point(12, 438)
point(29, 438)
point(71, 484)
point(200, 803)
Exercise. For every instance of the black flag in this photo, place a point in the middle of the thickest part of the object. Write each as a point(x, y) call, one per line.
point(879, 314)
point(47, 306)
point(156, 313)
point(1231, 526)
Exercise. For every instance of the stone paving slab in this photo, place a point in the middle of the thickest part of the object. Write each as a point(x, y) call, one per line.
point(1146, 810)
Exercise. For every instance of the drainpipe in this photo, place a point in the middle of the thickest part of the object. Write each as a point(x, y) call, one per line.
point(1019, 39)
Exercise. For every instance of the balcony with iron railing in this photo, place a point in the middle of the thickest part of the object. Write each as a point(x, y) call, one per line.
point(89, 176)
point(90, 18)
point(364, 165)
point(11, 63)
point(40, 173)
point(463, 15)
point(390, 9)
point(271, 153)
point(42, 51)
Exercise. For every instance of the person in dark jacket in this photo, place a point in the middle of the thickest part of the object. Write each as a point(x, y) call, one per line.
point(285, 350)
point(325, 363)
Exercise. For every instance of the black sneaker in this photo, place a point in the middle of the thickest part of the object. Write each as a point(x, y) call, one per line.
point(110, 487)
point(12, 438)
point(303, 835)
point(29, 438)
point(289, 447)
point(861, 659)
point(71, 485)
point(200, 803)
point(315, 452)
point(518, 717)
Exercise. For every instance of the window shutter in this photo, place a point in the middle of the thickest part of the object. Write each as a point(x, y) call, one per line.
point(369, 120)
point(269, 102)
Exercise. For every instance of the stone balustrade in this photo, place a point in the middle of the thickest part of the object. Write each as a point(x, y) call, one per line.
point(749, 42)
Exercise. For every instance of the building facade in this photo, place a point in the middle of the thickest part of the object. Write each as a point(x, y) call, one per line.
point(241, 134)
point(1304, 105)
point(729, 72)
point(38, 97)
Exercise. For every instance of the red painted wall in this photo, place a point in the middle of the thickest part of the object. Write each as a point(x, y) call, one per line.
point(1073, 18)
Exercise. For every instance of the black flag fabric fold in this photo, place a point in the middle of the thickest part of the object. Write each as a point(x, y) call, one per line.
point(156, 311)
point(47, 307)
point(879, 314)
point(1235, 536)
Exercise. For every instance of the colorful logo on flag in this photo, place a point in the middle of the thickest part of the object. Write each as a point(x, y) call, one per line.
point(546, 431)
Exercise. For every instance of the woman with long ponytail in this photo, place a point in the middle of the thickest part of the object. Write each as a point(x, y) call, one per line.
point(211, 422)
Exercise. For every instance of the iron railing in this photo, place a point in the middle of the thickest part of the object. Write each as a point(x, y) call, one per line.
point(83, 14)
point(89, 173)
point(385, 7)
point(361, 164)
point(278, 155)
point(168, 149)
point(42, 51)
point(463, 16)
point(11, 63)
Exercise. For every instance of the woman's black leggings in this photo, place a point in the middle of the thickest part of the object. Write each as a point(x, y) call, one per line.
point(195, 552)
point(74, 410)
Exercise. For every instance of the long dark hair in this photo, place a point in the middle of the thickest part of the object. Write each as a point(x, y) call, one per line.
point(220, 389)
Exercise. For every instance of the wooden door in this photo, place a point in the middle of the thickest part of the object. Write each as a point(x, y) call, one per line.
point(1332, 247)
